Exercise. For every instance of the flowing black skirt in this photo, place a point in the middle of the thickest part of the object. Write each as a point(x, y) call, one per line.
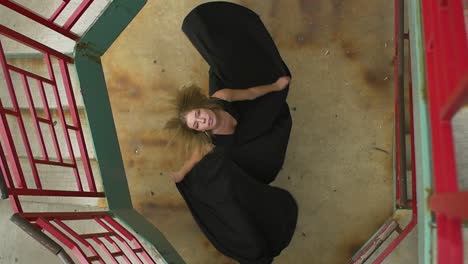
point(227, 191)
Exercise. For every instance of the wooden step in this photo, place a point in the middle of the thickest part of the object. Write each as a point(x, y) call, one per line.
point(460, 135)
point(465, 12)
point(47, 135)
point(62, 178)
point(42, 34)
point(465, 243)
point(38, 67)
point(409, 185)
point(408, 152)
point(407, 251)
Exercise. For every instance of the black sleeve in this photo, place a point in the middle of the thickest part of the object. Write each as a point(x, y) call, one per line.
point(215, 84)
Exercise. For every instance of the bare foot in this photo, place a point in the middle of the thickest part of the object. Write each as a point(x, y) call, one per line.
point(282, 83)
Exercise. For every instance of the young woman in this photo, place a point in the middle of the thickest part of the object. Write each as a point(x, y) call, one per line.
point(246, 122)
point(215, 119)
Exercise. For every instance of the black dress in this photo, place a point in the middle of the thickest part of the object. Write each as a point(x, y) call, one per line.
point(227, 191)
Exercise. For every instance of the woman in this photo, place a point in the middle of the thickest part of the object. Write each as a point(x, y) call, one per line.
point(249, 126)
point(214, 120)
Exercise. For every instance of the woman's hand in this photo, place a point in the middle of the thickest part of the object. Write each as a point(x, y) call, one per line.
point(197, 155)
point(176, 176)
point(281, 83)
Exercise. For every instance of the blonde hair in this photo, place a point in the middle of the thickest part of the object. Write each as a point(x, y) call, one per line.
point(187, 99)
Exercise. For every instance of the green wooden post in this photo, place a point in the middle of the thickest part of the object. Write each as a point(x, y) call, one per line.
point(422, 133)
point(109, 25)
point(101, 123)
point(88, 52)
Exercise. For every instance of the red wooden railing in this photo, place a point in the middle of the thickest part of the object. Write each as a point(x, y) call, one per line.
point(115, 243)
point(402, 200)
point(446, 51)
point(50, 22)
point(17, 183)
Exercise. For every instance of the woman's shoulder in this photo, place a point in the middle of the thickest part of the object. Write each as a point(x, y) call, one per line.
point(222, 142)
point(226, 106)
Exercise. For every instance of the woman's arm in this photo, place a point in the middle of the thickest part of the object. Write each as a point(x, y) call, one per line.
point(197, 155)
point(252, 93)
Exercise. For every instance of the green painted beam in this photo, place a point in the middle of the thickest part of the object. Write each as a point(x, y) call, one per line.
point(422, 133)
point(88, 52)
point(149, 233)
point(110, 24)
point(101, 124)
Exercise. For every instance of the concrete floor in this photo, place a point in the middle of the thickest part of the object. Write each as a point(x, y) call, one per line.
point(338, 165)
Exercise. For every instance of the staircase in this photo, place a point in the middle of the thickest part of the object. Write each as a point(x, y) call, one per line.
point(52, 177)
point(49, 163)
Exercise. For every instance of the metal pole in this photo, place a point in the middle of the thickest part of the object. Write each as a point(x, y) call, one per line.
point(3, 188)
point(42, 238)
point(401, 106)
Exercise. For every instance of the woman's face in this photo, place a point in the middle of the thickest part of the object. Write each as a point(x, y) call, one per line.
point(201, 119)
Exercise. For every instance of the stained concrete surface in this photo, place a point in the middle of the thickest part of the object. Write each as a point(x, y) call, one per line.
point(338, 164)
